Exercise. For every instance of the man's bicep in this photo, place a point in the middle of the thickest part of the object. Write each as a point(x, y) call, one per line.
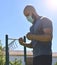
point(47, 31)
point(47, 26)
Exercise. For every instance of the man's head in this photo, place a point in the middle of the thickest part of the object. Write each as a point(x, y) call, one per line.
point(30, 13)
point(29, 10)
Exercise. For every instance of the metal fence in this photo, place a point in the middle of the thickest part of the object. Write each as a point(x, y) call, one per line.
point(12, 44)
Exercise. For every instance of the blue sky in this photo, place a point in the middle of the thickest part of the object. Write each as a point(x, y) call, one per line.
point(14, 23)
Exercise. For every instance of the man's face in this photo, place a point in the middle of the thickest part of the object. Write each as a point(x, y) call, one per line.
point(27, 13)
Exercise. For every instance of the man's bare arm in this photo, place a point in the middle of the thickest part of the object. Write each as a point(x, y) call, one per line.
point(27, 45)
point(44, 38)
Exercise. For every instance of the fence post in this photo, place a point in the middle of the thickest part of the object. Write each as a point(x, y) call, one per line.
point(7, 51)
point(25, 51)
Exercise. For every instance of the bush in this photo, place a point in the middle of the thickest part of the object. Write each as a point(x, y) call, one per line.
point(56, 63)
point(16, 62)
point(2, 57)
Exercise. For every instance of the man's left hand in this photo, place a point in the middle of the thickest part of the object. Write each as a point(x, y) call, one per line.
point(29, 36)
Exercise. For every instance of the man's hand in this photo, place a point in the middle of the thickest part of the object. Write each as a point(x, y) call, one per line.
point(29, 36)
point(21, 41)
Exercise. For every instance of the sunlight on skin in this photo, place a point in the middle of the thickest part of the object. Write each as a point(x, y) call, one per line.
point(51, 5)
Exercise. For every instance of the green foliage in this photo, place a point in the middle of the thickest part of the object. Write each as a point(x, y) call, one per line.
point(56, 63)
point(2, 57)
point(16, 62)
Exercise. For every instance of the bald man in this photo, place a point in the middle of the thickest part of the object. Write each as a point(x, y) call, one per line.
point(40, 35)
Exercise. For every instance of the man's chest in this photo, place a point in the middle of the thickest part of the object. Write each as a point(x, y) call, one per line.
point(36, 28)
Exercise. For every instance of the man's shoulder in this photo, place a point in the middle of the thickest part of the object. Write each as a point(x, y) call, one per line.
point(45, 19)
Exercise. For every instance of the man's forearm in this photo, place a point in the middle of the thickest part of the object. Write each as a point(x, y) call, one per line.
point(27, 45)
point(43, 38)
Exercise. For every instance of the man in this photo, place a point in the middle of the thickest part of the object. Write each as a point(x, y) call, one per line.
point(40, 35)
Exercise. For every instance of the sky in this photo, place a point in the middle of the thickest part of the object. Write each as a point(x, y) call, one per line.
point(14, 23)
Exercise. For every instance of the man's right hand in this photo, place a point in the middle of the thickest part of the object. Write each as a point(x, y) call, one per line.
point(21, 41)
